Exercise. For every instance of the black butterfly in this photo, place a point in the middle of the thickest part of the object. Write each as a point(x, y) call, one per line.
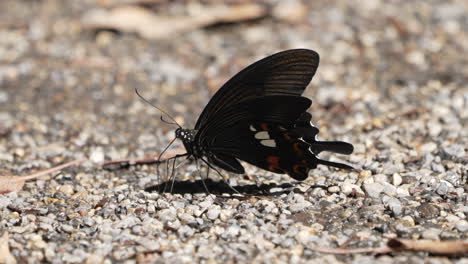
point(259, 116)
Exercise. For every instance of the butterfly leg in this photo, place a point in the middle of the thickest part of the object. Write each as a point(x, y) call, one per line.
point(173, 174)
point(201, 177)
point(167, 161)
point(222, 177)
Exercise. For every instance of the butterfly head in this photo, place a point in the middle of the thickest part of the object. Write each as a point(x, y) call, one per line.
point(186, 135)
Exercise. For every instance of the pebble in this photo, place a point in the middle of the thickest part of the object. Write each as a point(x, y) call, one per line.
point(37, 242)
point(67, 189)
point(374, 189)
point(186, 231)
point(227, 214)
point(304, 237)
point(334, 189)
point(297, 207)
point(396, 179)
point(348, 188)
point(389, 189)
point(428, 147)
point(187, 218)
point(455, 150)
point(431, 233)
point(167, 215)
point(4, 201)
point(444, 188)
point(394, 204)
point(462, 226)
point(427, 210)
point(213, 213)
point(67, 228)
point(233, 231)
point(97, 155)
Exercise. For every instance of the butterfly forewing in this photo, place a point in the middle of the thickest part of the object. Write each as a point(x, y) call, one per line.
point(284, 73)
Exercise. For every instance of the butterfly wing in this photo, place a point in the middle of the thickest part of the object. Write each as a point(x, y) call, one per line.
point(268, 132)
point(257, 116)
point(304, 129)
point(284, 73)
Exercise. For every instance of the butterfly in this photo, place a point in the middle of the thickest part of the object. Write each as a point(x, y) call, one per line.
point(259, 116)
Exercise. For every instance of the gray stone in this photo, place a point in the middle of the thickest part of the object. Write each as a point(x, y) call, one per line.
point(444, 187)
point(374, 189)
point(167, 215)
point(431, 233)
point(389, 189)
point(455, 150)
point(394, 204)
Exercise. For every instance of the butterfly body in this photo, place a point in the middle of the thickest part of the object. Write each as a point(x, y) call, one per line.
point(187, 136)
point(259, 116)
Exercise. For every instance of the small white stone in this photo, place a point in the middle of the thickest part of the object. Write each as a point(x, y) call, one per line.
point(349, 188)
point(334, 189)
point(97, 155)
point(396, 179)
point(213, 213)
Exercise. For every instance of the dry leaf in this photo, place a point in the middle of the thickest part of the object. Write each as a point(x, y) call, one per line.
point(16, 183)
point(290, 11)
point(154, 26)
point(5, 256)
point(124, 163)
point(456, 247)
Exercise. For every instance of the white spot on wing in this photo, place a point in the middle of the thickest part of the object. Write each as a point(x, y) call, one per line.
point(262, 135)
point(268, 143)
point(252, 128)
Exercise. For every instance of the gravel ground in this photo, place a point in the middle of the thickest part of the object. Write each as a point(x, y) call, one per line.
point(393, 80)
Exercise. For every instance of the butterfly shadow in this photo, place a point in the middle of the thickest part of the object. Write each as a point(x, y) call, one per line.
point(222, 188)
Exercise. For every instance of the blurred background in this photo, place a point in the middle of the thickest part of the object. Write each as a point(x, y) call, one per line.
point(68, 69)
point(392, 80)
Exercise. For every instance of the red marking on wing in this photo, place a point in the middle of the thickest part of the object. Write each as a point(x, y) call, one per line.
point(299, 168)
point(264, 126)
point(274, 165)
point(287, 137)
point(297, 147)
point(300, 172)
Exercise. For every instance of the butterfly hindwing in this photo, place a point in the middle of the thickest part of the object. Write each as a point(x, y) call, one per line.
point(304, 129)
point(271, 147)
point(225, 162)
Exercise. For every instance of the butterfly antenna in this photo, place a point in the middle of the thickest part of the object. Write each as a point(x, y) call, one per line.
point(164, 112)
point(167, 122)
